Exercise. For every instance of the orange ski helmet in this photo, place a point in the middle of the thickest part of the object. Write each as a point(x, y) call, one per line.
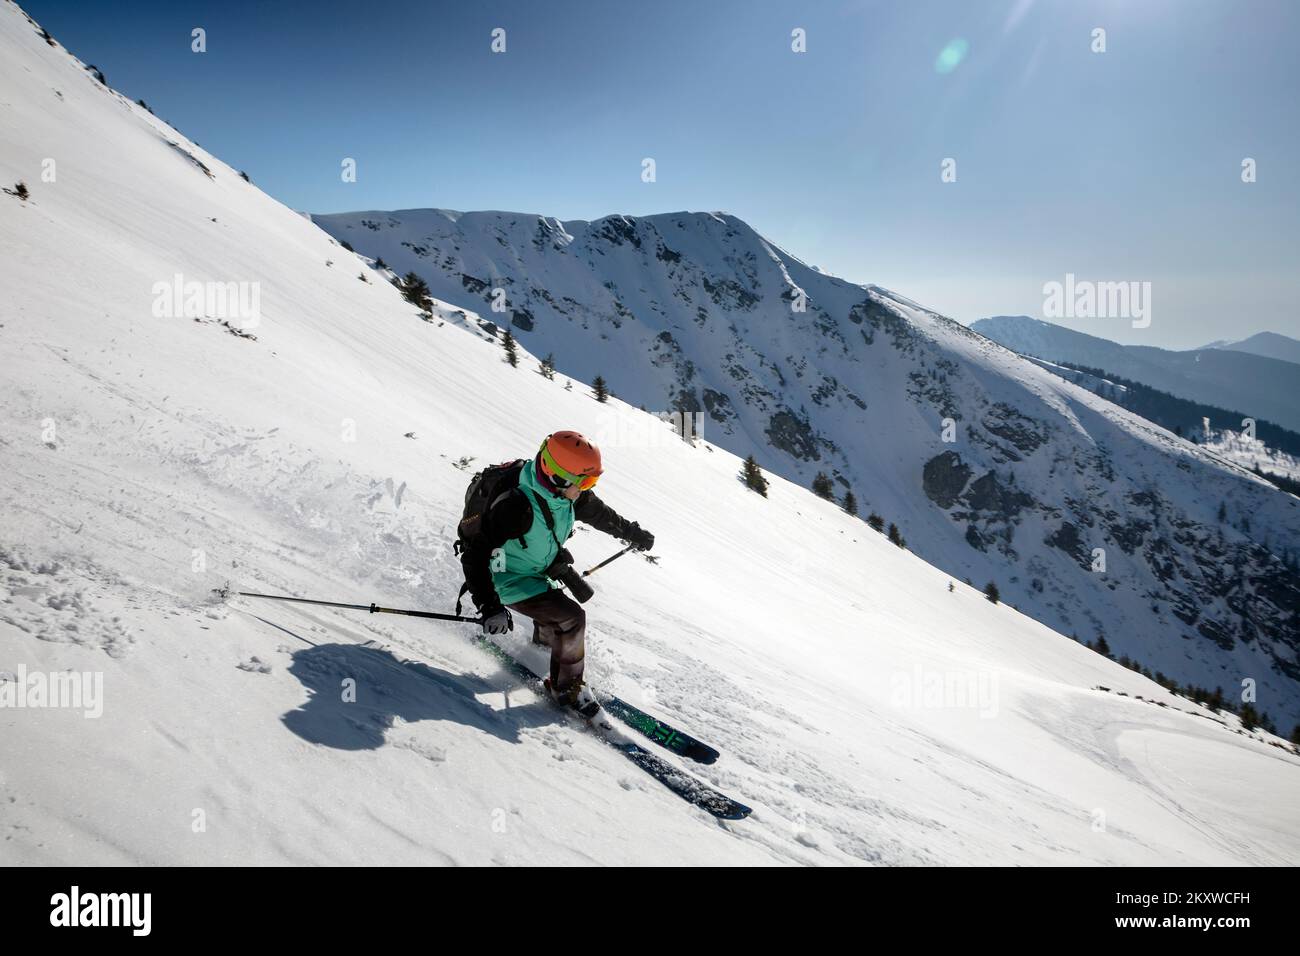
point(569, 458)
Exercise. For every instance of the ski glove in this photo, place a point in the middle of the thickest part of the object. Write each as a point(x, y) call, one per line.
point(639, 538)
point(496, 620)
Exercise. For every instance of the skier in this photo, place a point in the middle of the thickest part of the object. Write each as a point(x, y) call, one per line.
point(513, 554)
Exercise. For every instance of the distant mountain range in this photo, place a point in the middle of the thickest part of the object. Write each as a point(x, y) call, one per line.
point(1268, 344)
point(1229, 376)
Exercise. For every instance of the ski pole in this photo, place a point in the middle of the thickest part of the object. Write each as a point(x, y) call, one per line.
point(613, 557)
point(372, 608)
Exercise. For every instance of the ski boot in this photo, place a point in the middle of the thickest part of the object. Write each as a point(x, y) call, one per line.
point(576, 697)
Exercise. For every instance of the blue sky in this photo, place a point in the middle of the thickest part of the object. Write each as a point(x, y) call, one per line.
point(1122, 165)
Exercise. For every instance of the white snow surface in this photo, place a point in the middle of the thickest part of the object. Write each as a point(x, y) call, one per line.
point(148, 460)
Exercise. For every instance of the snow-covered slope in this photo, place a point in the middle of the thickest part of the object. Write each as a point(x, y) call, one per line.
point(1251, 453)
point(1086, 516)
point(1111, 391)
point(867, 713)
point(1188, 419)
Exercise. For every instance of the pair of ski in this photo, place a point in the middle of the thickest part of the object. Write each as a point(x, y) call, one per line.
point(689, 788)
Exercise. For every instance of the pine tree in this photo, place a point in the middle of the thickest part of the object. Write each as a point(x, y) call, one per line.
point(1295, 735)
point(1249, 717)
point(991, 592)
point(1215, 703)
point(548, 366)
point(1102, 647)
point(850, 503)
point(753, 476)
point(876, 522)
point(600, 389)
point(512, 353)
point(894, 536)
point(380, 263)
point(20, 190)
point(822, 487)
point(416, 291)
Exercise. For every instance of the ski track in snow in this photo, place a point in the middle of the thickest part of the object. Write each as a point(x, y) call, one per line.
point(785, 781)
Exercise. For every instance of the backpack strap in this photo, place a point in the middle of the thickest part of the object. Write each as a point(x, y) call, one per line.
point(547, 517)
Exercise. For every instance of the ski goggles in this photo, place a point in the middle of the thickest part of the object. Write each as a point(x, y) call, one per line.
point(560, 476)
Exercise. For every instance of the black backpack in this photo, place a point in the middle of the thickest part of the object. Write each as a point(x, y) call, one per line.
point(485, 489)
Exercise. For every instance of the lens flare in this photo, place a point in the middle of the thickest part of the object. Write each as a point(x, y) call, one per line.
point(950, 57)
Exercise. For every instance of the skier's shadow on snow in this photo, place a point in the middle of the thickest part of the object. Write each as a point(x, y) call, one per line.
point(356, 692)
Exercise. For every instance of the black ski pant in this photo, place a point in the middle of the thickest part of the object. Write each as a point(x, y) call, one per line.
point(561, 624)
